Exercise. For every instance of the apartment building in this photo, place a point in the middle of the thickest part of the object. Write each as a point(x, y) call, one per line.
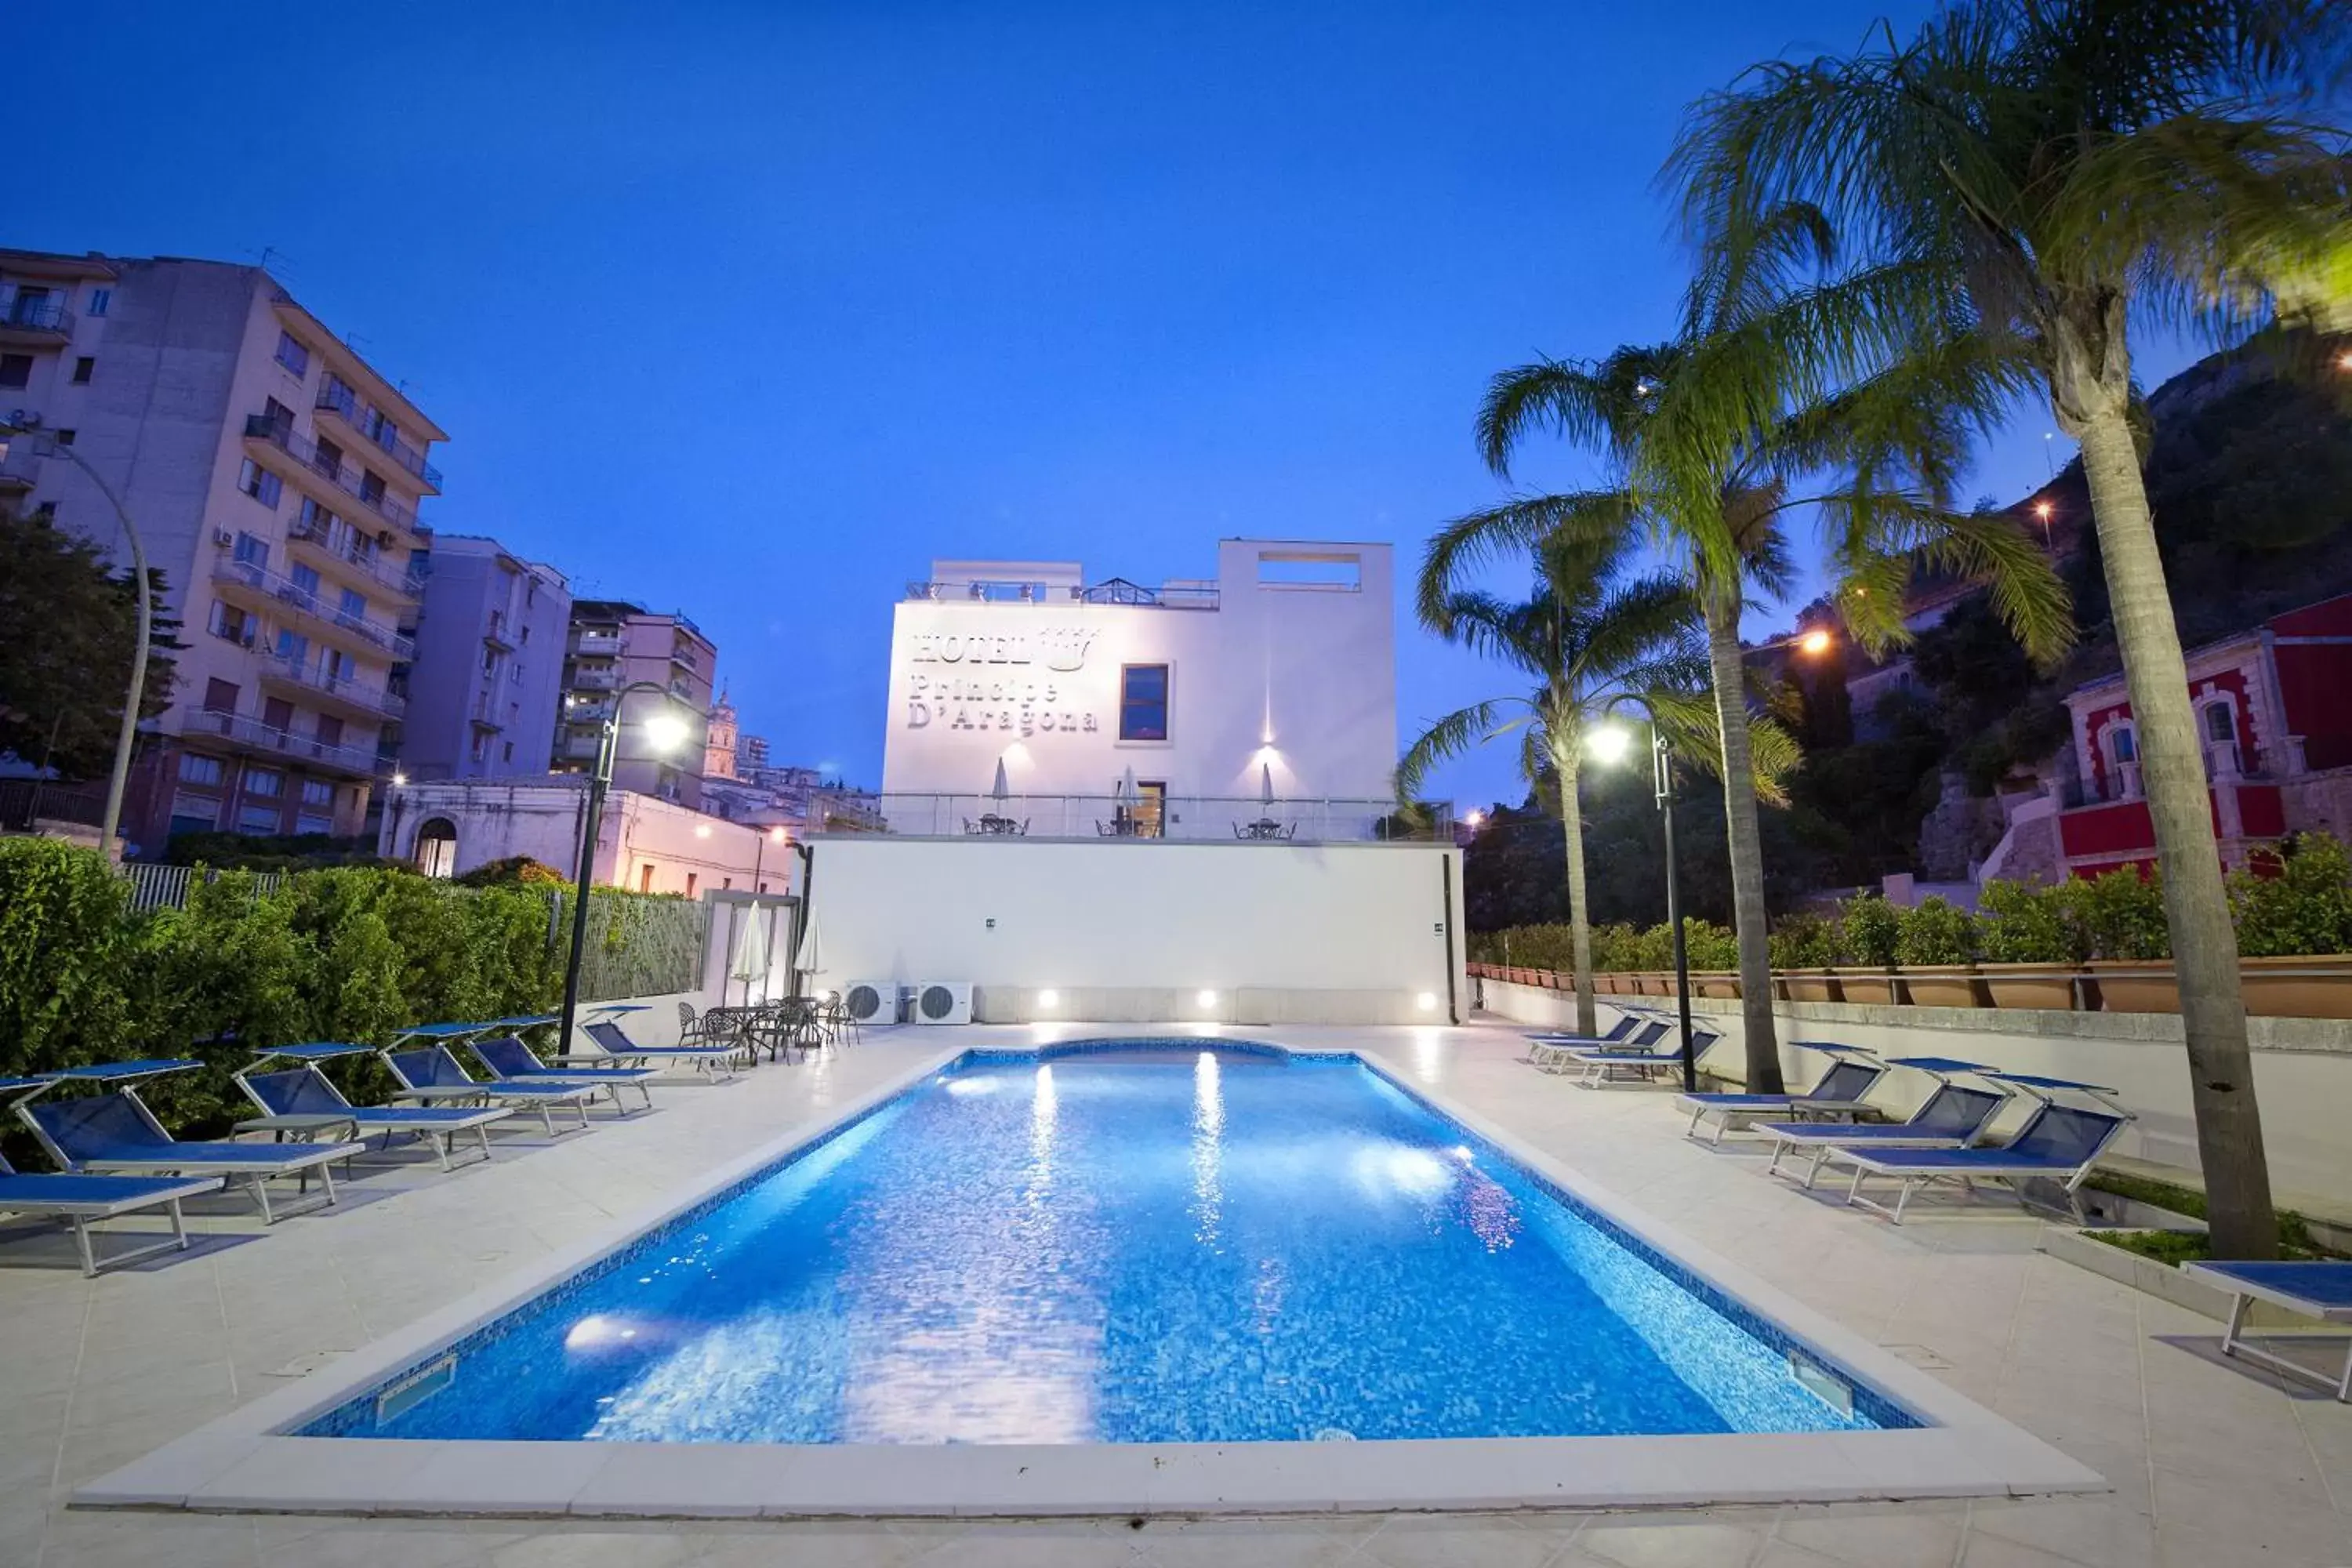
point(487, 680)
point(617, 647)
point(273, 476)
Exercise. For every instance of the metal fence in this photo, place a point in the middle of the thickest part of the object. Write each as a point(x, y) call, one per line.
point(167, 887)
point(24, 801)
point(1183, 818)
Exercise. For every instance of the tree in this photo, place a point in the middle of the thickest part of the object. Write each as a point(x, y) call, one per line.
point(66, 629)
point(2023, 182)
point(1591, 632)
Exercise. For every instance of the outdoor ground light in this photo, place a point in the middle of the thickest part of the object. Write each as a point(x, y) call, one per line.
point(1049, 998)
point(1206, 998)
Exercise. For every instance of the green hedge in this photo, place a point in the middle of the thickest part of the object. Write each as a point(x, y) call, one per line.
point(1616, 948)
point(337, 954)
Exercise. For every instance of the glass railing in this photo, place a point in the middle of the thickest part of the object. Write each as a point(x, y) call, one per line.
point(347, 687)
point(1184, 818)
point(372, 562)
point(344, 474)
point(38, 316)
point(252, 731)
point(296, 598)
point(337, 397)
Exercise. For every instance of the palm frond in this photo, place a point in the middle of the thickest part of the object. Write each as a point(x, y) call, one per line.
point(1451, 736)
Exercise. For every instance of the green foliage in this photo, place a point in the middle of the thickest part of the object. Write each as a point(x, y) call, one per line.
point(1807, 941)
point(1618, 949)
point(2168, 1247)
point(281, 852)
point(2121, 914)
point(2305, 908)
point(1870, 927)
point(66, 936)
point(1936, 933)
point(515, 870)
point(1708, 945)
point(2026, 924)
point(67, 628)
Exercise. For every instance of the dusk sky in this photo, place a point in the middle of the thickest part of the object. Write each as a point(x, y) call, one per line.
point(752, 311)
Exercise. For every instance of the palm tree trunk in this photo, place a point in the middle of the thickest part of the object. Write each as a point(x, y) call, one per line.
point(1746, 835)
point(1579, 924)
point(2172, 776)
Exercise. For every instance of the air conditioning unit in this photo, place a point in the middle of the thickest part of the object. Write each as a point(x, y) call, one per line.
point(871, 1001)
point(943, 1002)
point(223, 538)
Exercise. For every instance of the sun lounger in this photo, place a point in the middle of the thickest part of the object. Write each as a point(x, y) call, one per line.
point(1593, 1069)
point(2057, 1143)
point(301, 1099)
point(2320, 1288)
point(431, 1076)
point(116, 1134)
point(1953, 1117)
point(81, 1199)
point(1837, 1096)
point(1549, 1049)
point(619, 1050)
point(512, 1061)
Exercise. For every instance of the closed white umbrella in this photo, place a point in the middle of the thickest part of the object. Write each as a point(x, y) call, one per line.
point(1265, 784)
point(810, 959)
point(1002, 787)
point(750, 961)
point(1127, 791)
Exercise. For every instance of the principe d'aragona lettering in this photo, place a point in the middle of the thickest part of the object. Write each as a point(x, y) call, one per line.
point(1007, 702)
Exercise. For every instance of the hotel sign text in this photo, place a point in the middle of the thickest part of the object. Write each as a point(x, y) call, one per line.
point(992, 688)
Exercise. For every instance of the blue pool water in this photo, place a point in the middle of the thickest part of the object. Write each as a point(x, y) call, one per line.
point(1167, 1246)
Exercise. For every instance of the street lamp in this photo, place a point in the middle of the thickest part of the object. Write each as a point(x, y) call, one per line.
point(29, 423)
point(1609, 744)
point(665, 731)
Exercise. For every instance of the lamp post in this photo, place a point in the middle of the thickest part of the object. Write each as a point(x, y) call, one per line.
point(664, 729)
point(1610, 743)
point(118, 780)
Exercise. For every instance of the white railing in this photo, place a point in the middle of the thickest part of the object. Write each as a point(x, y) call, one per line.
point(1181, 818)
point(167, 887)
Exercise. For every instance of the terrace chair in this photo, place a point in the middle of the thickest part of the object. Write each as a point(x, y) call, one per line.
point(1851, 1075)
point(430, 1075)
point(1594, 1068)
point(619, 1050)
point(116, 1134)
point(2057, 1143)
point(1549, 1050)
point(301, 1097)
point(79, 1199)
point(2319, 1288)
point(690, 1025)
point(512, 1061)
point(1953, 1117)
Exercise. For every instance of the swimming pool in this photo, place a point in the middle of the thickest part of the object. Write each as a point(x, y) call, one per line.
point(1140, 1242)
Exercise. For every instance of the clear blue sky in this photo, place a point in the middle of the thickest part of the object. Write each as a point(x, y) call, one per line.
point(752, 310)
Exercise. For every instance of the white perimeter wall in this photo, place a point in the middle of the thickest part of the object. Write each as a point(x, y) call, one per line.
point(1129, 930)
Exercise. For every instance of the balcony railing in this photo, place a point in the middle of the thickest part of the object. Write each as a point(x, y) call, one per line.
point(288, 595)
point(595, 679)
point(320, 536)
point(244, 730)
point(596, 644)
point(342, 473)
point(20, 465)
point(337, 397)
point(579, 748)
point(1117, 590)
point(344, 687)
point(485, 711)
point(1193, 818)
point(47, 317)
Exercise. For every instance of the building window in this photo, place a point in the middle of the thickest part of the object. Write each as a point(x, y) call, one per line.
point(689, 884)
point(330, 731)
point(481, 751)
point(354, 604)
point(306, 585)
point(318, 826)
point(100, 300)
point(15, 370)
point(65, 438)
point(371, 485)
point(506, 753)
point(328, 459)
point(259, 483)
point(252, 550)
point(2219, 724)
point(264, 784)
point(220, 696)
point(232, 625)
point(204, 773)
point(1148, 817)
point(645, 878)
point(318, 793)
point(2126, 745)
point(293, 646)
point(84, 368)
point(1143, 703)
point(293, 355)
point(194, 814)
point(437, 848)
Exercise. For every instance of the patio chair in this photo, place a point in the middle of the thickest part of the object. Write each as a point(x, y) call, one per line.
point(1550, 1049)
point(301, 1099)
point(2057, 1143)
point(115, 1133)
point(512, 1061)
point(2320, 1288)
point(1594, 1069)
point(81, 1199)
point(1851, 1075)
point(430, 1075)
point(617, 1050)
point(690, 1025)
point(1953, 1117)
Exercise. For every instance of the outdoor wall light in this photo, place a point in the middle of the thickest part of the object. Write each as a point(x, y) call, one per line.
point(703, 831)
point(1206, 998)
point(1426, 1001)
point(1049, 998)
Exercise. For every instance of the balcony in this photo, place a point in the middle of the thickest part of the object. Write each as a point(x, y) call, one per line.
point(310, 467)
point(587, 712)
point(344, 693)
point(485, 711)
point(596, 644)
point(579, 748)
point(20, 465)
point(37, 323)
point(497, 635)
point(318, 539)
point(258, 588)
point(337, 398)
point(595, 679)
point(246, 734)
point(683, 656)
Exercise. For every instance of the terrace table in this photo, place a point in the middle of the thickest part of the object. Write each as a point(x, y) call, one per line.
point(1264, 828)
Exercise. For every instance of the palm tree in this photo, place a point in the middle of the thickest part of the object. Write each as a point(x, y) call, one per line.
point(2027, 180)
point(1715, 494)
point(1589, 631)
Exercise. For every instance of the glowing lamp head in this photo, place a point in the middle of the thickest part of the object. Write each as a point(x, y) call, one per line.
point(666, 732)
point(775, 836)
point(703, 831)
point(1609, 744)
point(1473, 817)
point(1814, 642)
point(398, 779)
point(1049, 998)
point(2042, 509)
point(1206, 998)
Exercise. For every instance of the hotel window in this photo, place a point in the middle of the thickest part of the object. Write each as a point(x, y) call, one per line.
point(318, 793)
point(264, 784)
point(336, 667)
point(232, 625)
point(293, 646)
point(386, 434)
point(277, 713)
point(100, 300)
point(2126, 745)
point(259, 483)
point(252, 551)
point(306, 586)
point(318, 826)
point(330, 731)
point(15, 370)
point(84, 368)
point(194, 814)
point(328, 459)
point(355, 606)
point(204, 773)
point(2219, 724)
point(1143, 703)
point(257, 818)
point(293, 355)
point(220, 696)
point(371, 485)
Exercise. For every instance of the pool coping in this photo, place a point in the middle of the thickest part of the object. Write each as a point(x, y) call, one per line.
point(239, 1463)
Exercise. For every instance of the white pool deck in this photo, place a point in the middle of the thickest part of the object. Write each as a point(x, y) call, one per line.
point(2210, 1462)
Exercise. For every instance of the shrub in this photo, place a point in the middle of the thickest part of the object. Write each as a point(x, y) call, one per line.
point(2121, 914)
point(1805, 940)
point(1710, 946)
point(2026, 924)
point(1870, 926)
point(1936, 933)
point(2306, 907)
point(1613, 949)
point(515, 870)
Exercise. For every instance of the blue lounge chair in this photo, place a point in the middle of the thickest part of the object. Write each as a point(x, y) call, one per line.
point(619, 1050)
point(2057, 1143)
point(2317, 1289)
point(1549, 1048)
point(1851, 1075)
point(1594, 1069)
point(512, 1061)
point(1953, 1117)
point(301, 1097)
point(81, 1199)
point(116, 1134)
point(431, 1076)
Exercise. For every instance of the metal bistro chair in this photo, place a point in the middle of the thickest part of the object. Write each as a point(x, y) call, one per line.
point(690, 1027)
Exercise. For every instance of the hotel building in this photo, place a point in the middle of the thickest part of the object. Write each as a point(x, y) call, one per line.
point(484, 687)
point(612, 645)
point(273, 476)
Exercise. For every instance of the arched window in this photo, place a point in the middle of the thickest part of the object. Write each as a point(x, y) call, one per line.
point(2125, 744)
point(435, 853)
point(2219, 723)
